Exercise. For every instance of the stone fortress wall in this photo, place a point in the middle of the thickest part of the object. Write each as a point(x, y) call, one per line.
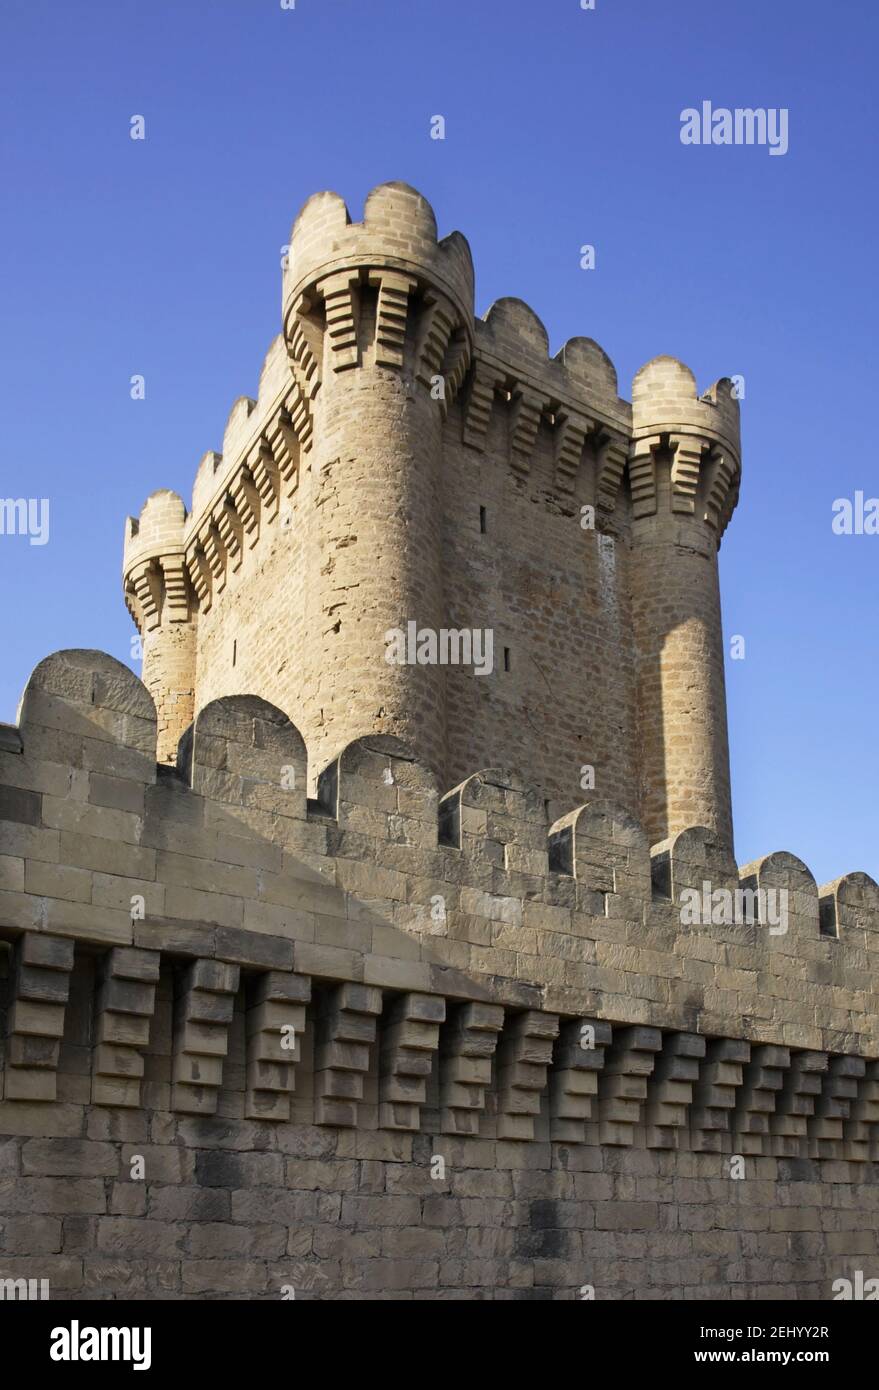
point(296, 999)
point(455, 979)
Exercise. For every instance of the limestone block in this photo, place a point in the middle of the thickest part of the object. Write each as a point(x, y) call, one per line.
point(605, 849)
point(244, 752)
point(833, 1106)
point(861, 1129)
point(622, 1085)
point(410, 1038)
point(670, 1089)
point(39, 992)
point(796, 1102)
point(763, 1078)
point(467, 1046)
point(202, 1014)
point(714, 1099)
point(125, 1004)
point(577, 1060)
point(346, 1030)
point(275, 1021)
point(523, 1059)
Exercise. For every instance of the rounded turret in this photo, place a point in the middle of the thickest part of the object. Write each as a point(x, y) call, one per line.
point(683, 469)
point(378, 320)
point(159, 598)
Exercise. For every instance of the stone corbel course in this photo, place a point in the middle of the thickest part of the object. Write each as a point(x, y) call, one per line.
point(314, 924)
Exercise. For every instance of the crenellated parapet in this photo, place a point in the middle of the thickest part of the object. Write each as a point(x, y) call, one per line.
point(383, 957)
point(154, 574)
point(379, 295)
point(247, 491)
point(686, 451)
point(572, 397)
point(162, 597)
point(383, 292)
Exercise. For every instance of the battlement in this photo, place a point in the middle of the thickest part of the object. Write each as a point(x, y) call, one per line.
point(398, 232)
point(503, 358)
point(700, 434)
point(397, 929)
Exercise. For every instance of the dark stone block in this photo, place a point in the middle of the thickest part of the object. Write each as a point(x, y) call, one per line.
point(16, 804)
point(799, 1170)
point(10, 739)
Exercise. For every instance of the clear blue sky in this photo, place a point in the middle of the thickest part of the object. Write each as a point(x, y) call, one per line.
point(161, 257)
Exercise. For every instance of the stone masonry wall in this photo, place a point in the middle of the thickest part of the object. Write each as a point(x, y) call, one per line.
point(386, 1042)
point(234, 1208)
point(556, 597)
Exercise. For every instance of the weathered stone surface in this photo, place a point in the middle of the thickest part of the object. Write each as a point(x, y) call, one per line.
point(344, 986)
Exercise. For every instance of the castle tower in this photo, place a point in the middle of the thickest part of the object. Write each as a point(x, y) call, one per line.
point(405, 467)
point(379, 315)
point(684, 471)
point(159, 598)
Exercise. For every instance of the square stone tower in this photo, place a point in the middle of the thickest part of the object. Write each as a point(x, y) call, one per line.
point(407, 467)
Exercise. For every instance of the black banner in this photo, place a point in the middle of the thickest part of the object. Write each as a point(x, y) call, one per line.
point(246, 1338)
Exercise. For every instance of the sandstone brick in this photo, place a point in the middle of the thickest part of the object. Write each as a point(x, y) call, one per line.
point(69, 1158)
point(239, 1169)
point(11, 873)
point(161, 1163)
point(53, 1196)
point(363, 1213)
point(30, 1235)
point(121, 1235)
point(321, 1175)
point(271, 1205)
point(614, 1216)
point(63, 1272)
point(397, 1274)
point(128, 1278)
point(223, 1242)
point(223, 1276)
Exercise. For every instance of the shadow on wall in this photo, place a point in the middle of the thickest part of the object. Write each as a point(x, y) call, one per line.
point(445, 928)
